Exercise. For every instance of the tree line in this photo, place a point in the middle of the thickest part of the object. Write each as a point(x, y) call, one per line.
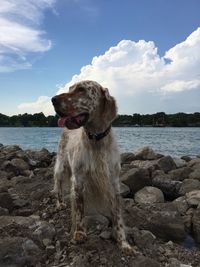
point(159, 119)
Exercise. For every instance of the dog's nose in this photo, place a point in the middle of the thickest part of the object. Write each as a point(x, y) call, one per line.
point(55, 100)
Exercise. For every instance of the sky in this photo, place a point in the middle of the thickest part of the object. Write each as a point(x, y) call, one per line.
point(146, 52)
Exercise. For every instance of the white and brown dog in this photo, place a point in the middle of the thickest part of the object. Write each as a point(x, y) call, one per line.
point(88, 157)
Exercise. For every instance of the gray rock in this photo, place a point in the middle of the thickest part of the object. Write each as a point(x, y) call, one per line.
point(195, 174)
point(193, 198)
point(149, 195)
point(150, 165)
point(180, 174)
point(44, 230)
point(147, 153)
point(6, 201)
point(105, 235)
point(166, 164)
point(180, 163)
point(3, 211)
point(95, 222)
point(169, 187)
point(42, 158)
point(142, 238)
point(20, 164)
point(194, 163)
point(124, 190)
point(196, 224)
point(136, 179)
point(162, 219)
point(20, 220)
point(18, 252)
point(143, 261)
point(186, 158)
point(181, 204)
point(189, 185)
point(127, 157)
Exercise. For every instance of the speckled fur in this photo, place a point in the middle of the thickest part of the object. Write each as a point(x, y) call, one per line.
point(91, 168)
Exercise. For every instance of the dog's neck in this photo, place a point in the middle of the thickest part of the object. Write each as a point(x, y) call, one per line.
point(97, 132)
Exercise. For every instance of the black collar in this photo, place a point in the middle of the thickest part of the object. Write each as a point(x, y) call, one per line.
point(98, 136)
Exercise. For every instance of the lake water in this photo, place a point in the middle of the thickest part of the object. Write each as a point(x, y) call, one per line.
point(173, 141)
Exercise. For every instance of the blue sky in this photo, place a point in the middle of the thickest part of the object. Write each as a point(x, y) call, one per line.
point(147, 52)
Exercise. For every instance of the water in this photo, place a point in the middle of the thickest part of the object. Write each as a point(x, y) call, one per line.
point(168, 141)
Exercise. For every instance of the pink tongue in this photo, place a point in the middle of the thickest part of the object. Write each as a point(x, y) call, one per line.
point(61, 122)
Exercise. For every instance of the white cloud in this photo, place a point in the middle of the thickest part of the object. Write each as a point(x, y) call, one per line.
point(142, 81)
point(20, 33)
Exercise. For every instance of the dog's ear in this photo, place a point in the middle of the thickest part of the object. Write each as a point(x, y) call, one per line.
point(109, 107)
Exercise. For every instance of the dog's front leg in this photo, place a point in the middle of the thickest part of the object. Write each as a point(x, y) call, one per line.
point(77, 206)
point(118, 223)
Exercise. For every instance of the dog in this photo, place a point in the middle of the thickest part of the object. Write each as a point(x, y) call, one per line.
point(88, 158)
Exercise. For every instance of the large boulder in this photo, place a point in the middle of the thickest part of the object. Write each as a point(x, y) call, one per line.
point(180, 174)
point(195, 174)
point(189, 185)
point(6, 201)
point(166, 164)
point(193, 198)
point(162, 219)
point(196, 224)
point(194, 163)
point(169, 187)
point(127, 157)
point(18, 252)
point(147, 153)
point(149, 195)
point(136, 179)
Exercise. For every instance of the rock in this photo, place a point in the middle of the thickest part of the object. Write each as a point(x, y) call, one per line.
point(10, 149)
point(166, 164)
point(20, 164)
point(194, 163)
point(150, 165)
point(189, 185)
point(136, 179)
point(3, 211)
point(186, 158)
point(8, 167)
point(180, 163)
point(124, 190)
point(181, 204)
point(169, 187)
point(162, 219)
point(196, 224)
point(147, 153)
point(195, 174)
point(44, 231)
point(6, 201)
point(50, 250)
point(18, 251)
point(142, 238)
point(193, 198)
point(18, 220)
point(127, 157)
point(95, 222)
point(180, 174)
point(41, 158)
point(149, 195)
point(143, 261)
point(105, 235)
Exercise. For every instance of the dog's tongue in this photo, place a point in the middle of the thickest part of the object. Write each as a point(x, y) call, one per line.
point(62, 121)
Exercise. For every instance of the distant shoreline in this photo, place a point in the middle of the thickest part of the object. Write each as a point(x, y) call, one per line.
point(159, 119)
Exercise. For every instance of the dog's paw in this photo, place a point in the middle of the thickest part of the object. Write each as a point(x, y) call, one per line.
point(128, 249)
point(79, 236)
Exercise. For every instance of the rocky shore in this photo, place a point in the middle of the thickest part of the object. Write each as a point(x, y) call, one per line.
point(161, 207)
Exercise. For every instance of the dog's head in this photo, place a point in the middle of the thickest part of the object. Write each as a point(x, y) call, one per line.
point(85, 101)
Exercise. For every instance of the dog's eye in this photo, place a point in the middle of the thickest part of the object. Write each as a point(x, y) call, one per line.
point(80, 89)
